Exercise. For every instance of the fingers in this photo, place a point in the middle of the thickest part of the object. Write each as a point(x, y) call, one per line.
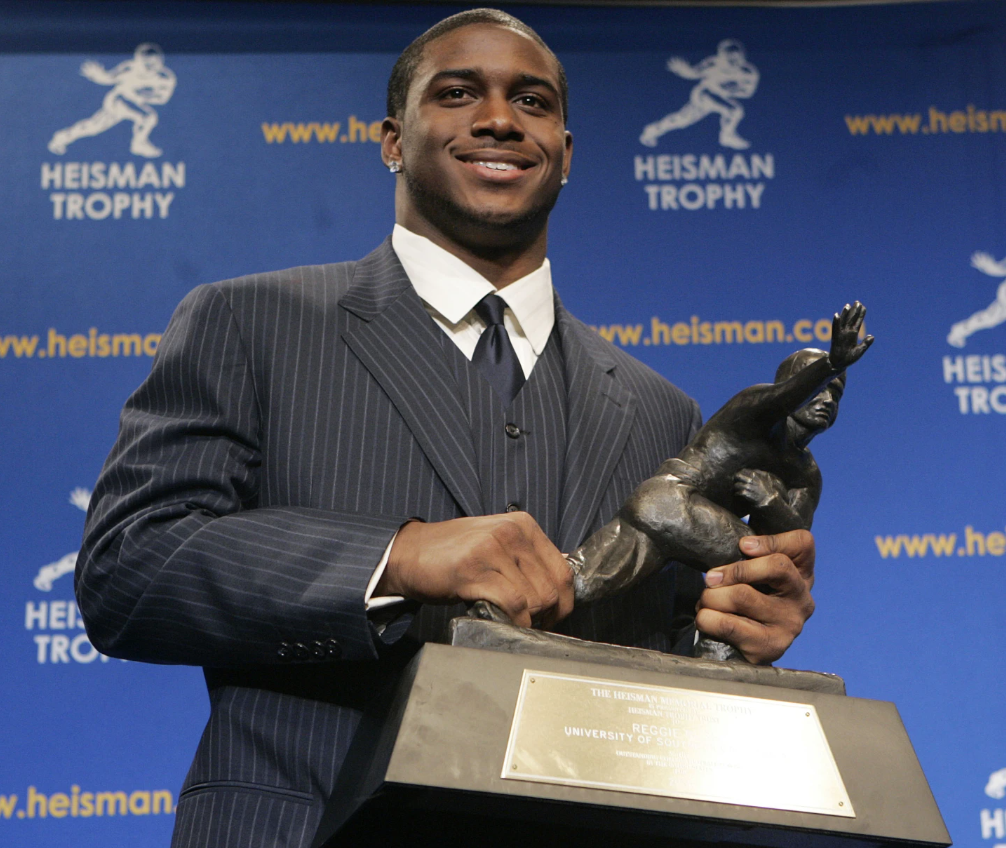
point(501, 591)
point(852, 315)
point(550, 569)
point(773, 572)
point(760, 605)
point(762, 626)
point(797, 545)
point(849, 320)
point(505, 559)
point(759, 643)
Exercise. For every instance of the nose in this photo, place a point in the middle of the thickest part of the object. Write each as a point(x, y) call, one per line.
point(497, 118)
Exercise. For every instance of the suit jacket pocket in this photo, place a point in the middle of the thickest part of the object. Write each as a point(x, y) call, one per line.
point(277, 792)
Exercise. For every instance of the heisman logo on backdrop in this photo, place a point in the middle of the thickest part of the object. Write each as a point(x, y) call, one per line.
point(993, 821)
point(723, 177)
point(979, 379)
point(54, 623)
point(137, 188)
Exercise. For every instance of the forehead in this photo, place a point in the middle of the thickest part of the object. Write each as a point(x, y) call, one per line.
point(489, 49)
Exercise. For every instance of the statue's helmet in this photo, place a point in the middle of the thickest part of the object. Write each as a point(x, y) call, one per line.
point(797, 362)
point(731, 49)
point(819, 412)
point(150, 55)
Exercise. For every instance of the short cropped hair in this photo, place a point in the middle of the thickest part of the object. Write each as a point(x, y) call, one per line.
point(404, 70)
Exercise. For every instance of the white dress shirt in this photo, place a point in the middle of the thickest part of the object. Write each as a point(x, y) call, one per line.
point(449, 290)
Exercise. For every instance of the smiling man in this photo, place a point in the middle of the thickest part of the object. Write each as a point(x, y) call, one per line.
point(326, 462)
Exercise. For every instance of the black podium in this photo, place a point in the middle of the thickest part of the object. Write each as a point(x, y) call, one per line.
point(432, 764)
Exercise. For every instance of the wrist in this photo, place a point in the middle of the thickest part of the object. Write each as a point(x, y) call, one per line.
point(390, 583)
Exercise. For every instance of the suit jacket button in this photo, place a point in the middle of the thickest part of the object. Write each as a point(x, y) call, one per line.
point(284, 652)
point(512, 507)
point(300, 651)
point(512, 430)
point(318, 650)
point(333, 648)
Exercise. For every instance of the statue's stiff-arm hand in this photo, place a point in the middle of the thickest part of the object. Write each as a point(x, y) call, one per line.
point(845, 345)
point(759, 605)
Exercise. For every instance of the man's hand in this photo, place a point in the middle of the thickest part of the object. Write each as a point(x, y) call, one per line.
point(504, 559)
point(759, 605)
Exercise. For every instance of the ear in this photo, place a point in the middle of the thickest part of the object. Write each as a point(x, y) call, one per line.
point(567, 157)
point(391, 140)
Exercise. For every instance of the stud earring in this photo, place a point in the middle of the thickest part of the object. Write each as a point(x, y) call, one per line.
point(563, 181)
point(395, 167)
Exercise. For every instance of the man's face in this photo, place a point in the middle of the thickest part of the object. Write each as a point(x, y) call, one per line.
point(819, 412)
point(482, 143)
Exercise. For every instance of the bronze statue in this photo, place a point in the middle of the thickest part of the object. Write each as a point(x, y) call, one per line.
point(749, 459)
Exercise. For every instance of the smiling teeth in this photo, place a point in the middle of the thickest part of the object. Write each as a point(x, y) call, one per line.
point(498, 166)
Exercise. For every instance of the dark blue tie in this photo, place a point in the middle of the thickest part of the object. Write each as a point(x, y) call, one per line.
point(494, 354)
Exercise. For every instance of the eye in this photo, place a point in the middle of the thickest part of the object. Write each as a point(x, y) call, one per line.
point(532, 100)
point(455, 93)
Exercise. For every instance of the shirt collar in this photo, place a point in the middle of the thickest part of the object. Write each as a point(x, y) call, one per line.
point(453, 288)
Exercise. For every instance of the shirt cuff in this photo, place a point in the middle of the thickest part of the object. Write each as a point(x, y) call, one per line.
point(371, 603)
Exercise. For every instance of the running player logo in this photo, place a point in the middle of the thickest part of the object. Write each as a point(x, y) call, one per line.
point(80, 498)
point(137, 85)
point(723, 80)
point(996, 787)
point(994, 314)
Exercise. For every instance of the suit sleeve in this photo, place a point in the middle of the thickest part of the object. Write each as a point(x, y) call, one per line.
point(178, 564)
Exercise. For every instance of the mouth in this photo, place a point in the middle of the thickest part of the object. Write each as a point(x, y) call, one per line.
point(496, 166)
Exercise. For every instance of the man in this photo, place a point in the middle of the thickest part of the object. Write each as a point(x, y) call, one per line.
point(315, 467)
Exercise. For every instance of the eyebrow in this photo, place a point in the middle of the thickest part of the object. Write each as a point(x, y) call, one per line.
point(470, 73)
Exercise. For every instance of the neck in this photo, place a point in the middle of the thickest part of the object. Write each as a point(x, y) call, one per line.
point(500, 260)
point(797, 434)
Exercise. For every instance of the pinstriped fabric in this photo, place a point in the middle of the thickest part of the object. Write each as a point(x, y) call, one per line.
point(526, 471)
point(228, 818)
point(290, 423)
point(244, 787)
point(656, 420)
point(250, 733)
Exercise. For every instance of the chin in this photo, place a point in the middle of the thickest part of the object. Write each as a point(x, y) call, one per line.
point(454, 213)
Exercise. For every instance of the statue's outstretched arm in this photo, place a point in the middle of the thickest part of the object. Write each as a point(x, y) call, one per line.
point(783, 398)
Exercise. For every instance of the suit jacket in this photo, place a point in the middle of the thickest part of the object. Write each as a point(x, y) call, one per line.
point(291, 422)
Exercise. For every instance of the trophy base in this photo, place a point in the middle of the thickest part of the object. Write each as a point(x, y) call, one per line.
point(493, 636)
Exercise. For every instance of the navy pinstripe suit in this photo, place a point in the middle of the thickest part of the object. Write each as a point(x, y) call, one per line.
point(291, 422)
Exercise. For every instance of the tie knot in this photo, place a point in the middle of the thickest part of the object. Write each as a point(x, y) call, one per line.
point(490, 309)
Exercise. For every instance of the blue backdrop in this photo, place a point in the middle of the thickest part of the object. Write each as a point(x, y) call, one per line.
point(721, 205)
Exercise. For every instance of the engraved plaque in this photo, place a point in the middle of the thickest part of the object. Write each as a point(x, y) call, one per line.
point(682, 743)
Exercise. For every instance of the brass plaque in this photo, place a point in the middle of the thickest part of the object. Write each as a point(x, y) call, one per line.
point(681, 743)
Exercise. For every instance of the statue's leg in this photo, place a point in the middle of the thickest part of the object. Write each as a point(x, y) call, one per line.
point(684, 524)
point(665, 519)
point(684, 117)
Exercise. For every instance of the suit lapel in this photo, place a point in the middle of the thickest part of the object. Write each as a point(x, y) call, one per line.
point(397, 342)
point(601, 413)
